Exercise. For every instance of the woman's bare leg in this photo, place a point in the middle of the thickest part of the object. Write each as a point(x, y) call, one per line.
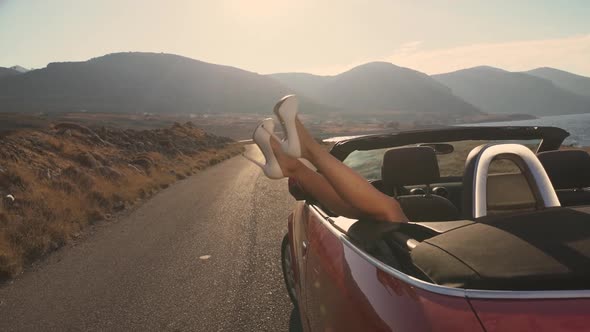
point(350, 186)
point(340, 188)
point(313, 183)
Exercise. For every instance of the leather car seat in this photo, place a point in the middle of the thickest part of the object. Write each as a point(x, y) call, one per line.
point(569, 172)
point(406, 166)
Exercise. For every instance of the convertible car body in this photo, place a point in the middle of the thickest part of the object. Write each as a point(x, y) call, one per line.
point(499, 238)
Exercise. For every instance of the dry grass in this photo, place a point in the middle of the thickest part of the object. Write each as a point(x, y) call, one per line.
point(64, 182)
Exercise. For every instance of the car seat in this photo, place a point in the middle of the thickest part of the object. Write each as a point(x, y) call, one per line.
point(406, 166)
point(569, 172)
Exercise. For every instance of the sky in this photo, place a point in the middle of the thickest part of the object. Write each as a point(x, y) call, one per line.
point(317, 36)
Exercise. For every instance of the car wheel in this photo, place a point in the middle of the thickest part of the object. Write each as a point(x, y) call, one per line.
point(287, 264)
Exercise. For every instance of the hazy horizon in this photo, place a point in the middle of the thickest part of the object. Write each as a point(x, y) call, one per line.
point(325, 38)
point(300, 72)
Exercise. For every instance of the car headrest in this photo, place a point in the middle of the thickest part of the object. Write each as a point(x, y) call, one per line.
point(567, 169)
point(409, 166)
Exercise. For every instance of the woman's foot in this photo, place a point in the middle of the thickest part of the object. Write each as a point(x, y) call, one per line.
point(298, 142)
point(262, 136)
point(286, 111)
point(289, 165)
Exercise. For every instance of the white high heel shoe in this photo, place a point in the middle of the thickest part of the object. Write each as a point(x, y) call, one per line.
point(261, 137)
point(286, 110)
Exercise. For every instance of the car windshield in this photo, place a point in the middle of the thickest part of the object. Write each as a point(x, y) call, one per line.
point(368, 163)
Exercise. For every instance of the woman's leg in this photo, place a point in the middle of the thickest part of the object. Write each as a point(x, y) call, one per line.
point(351, 186)
point(352, 189)
point(313, 183)
point(317, 186)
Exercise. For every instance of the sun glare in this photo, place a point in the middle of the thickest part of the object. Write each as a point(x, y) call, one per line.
point(259, 9)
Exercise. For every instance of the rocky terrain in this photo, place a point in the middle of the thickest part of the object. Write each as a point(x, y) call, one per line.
point(55, 181)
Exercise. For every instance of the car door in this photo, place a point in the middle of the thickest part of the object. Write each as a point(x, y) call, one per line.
point(299, 245)
point(332, 301)
point(347, 290)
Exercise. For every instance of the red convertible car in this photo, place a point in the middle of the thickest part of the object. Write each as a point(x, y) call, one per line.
point(499, 238)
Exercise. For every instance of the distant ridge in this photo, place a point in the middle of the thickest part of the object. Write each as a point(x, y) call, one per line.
point(303, 83)
point(19, 69)
point(140, 82)
point(494, 90)
point(563, 79)
point(152, 82)
point(6, 72)
point(168, 83)
point(379, 86)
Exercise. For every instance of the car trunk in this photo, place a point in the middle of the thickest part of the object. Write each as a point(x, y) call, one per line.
point(546, 250)
point(539, 315)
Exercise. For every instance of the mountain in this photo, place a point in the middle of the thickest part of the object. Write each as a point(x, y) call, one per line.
point(19, 69)
point(5, 72)
point(495, 90)
point(303, 83)
point(379, 87)
point(563, 79)
point(141, 82)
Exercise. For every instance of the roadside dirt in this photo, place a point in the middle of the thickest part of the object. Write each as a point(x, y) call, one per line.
point(56, 181)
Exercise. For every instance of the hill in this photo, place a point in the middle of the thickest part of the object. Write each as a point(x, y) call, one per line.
point(563, 79)
point(379, 87)
point(20, 69)
point(140, 82)
point(303, 83)
point(6, 72)
point(495, 90)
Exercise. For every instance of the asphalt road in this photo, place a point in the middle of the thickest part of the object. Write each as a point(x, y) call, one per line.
point(144, 272)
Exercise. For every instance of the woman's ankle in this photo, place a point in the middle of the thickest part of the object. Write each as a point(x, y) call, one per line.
point(293, 169)
point(309, 148)
point(314, 151)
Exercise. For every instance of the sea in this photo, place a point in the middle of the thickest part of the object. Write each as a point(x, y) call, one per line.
point(578, 125)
